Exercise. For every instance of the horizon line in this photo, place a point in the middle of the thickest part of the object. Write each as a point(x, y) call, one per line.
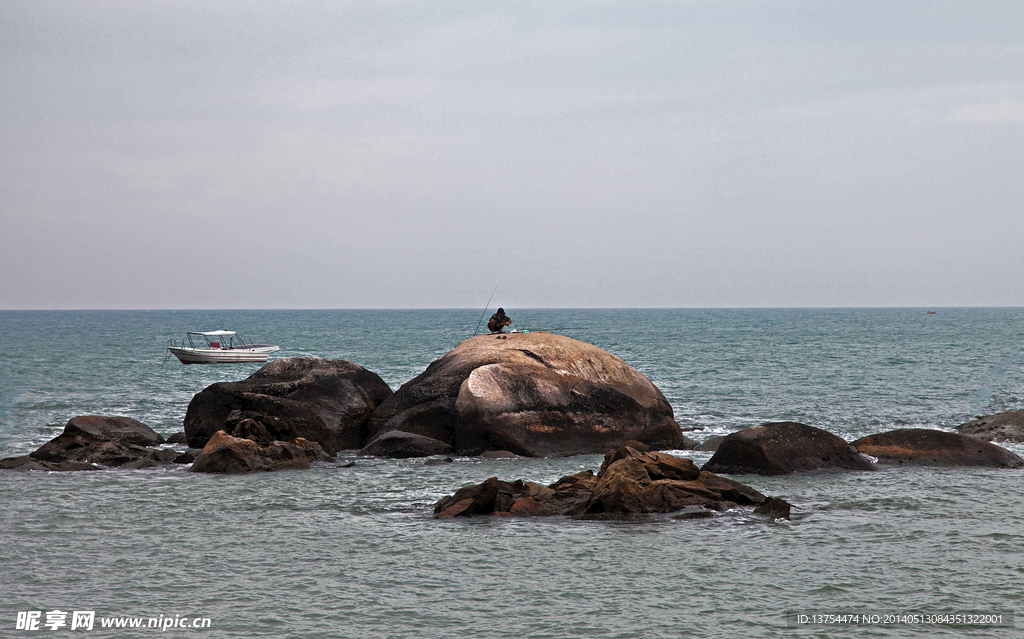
point(463, 308)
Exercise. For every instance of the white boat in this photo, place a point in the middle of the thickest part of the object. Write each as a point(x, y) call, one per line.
point(218, 347)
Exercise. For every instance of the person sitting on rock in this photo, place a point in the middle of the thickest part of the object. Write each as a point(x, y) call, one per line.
point(498, 321)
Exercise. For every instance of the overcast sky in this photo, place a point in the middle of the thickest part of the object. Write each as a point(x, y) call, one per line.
point(597, 154)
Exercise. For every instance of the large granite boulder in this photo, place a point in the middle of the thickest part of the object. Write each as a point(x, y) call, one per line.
point(91, 442)
point(630, 483)
point(784, 447)
point(226, 453)
point(928, 447)
point(321, 400)
point(1002, 427)
point(534, 394)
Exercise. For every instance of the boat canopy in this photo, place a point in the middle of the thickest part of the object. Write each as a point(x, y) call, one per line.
point(212, 333)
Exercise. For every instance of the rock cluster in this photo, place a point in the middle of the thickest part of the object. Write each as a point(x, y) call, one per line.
point(632, 481)
point(92, 442)
point(535, 394)
point(324, 401)
point(787, 447)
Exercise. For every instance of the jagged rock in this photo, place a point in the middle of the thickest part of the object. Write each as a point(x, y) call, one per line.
point(928, 447)
point(399, 445)
point(224, 453)
point(630, 483)
point(325, 401)
point(90, 442)
point(784, 447)
point(126, 438)
point(1002, 427)
point(535, 394)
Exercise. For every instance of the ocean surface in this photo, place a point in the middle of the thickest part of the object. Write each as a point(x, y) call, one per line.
point(353, 552)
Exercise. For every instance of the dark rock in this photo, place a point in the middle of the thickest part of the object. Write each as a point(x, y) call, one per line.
point(27, 462)
point(165, 455)
point(710, 444)
point(784, 447)
point(478, 499)
point(126, 438)
point(122, 430)
point(927, 447)
point(399, 445)
point(24, 462)
point(630, 483)
point(637, 446)
point(694, 514)
point(685, 443)
point(498, 454)
point(325, 401)
point(184, 458)
point(775, 508)
point(1002, 427)
point(438, 462)
point(535, 394)
point(224, 453)
point(722, 506)
point(177, 438)
point(298, 453)
point(142, 464)
point(242, 424)
point(94, 439)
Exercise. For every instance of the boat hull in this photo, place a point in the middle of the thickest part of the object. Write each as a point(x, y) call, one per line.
point(222, 355)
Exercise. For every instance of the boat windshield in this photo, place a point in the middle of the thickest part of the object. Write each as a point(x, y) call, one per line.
point(217, 339)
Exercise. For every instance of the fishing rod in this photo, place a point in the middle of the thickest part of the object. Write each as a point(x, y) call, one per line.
point(475, 330)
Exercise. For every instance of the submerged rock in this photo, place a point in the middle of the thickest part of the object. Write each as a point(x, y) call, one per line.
point(177, 438)
point(629, 483)
point(439, 462)
point(498, 454)
point(784, 447)
point(535, 395)
point(928, 447)
point(399, 445)
point(225, 453)
point(321, 400)
point(1002, 427)
point(774, 508)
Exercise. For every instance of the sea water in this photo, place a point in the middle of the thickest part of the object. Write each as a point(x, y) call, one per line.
point(352, 550)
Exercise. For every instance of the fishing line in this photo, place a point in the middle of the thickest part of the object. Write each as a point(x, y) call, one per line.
point(485, 310)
